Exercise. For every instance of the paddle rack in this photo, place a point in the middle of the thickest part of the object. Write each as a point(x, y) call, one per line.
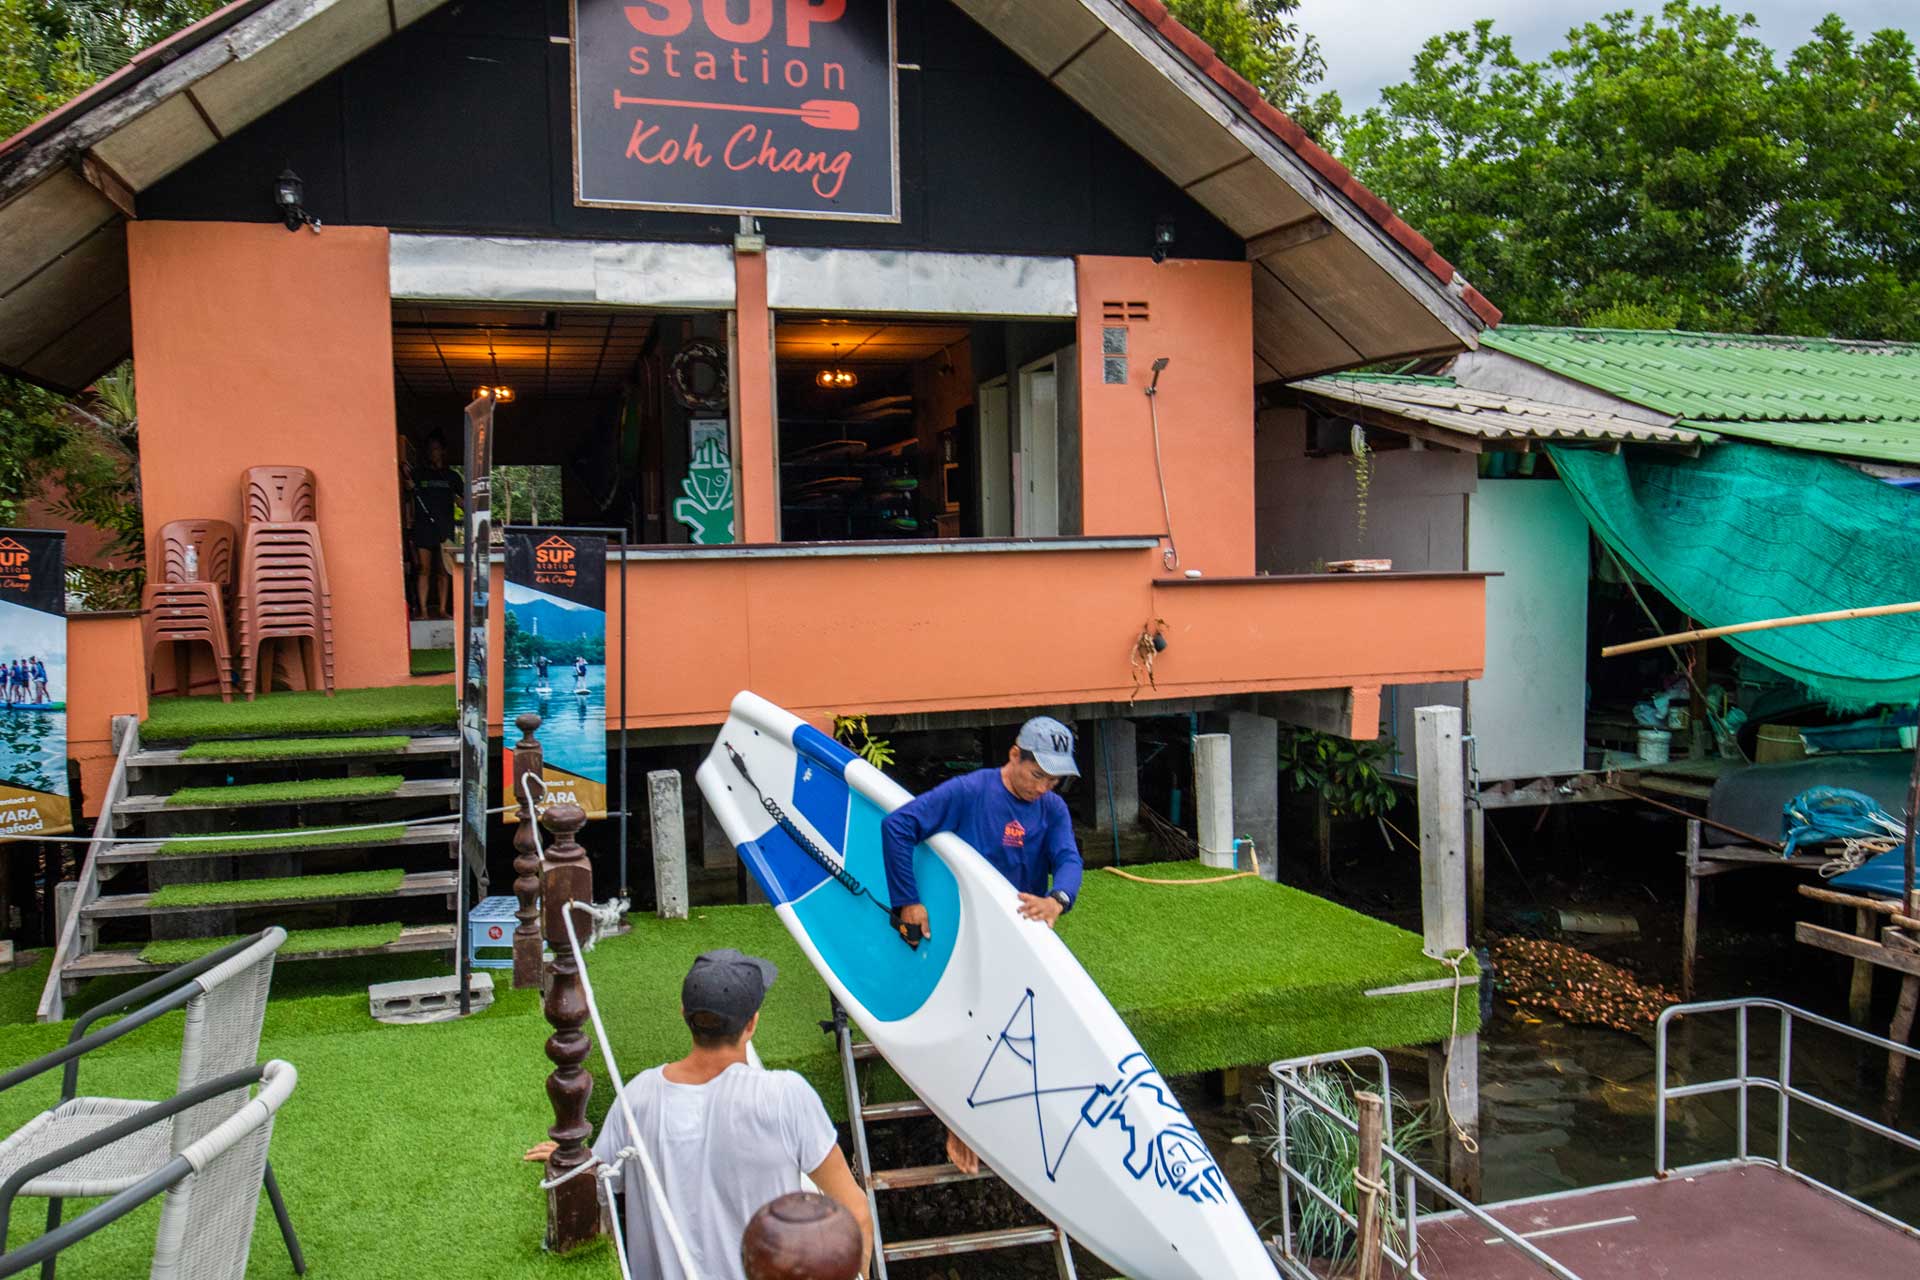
point(853, 1057)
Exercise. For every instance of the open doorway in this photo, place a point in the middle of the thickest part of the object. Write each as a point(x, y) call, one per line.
point(916, 427)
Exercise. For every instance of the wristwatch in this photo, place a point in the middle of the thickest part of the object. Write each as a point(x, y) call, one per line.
point(1062, 897)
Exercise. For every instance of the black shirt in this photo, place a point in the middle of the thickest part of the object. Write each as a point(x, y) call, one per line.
point(434, 492)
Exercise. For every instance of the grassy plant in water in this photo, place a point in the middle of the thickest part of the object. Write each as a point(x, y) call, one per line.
point(1326, 1152)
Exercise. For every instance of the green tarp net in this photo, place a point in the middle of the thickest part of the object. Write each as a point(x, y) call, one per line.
point(1746, 532)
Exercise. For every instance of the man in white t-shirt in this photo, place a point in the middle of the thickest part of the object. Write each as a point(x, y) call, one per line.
point(726, 1137)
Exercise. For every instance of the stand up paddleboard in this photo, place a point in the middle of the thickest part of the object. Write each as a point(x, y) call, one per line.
point(991, 1021)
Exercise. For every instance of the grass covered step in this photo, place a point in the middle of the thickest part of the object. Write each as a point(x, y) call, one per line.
point(360, 937)
point(277, 841)
point(234, 893)
point(431, 662)
point(295, 748)
point(348, 711)
point(384, 784)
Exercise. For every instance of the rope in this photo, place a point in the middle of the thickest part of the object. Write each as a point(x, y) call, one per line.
point(1855, 852)
point(843, 877)
point(639, 1148)
point(1171, 556)
point(1238, 875)
point(239, 835)
point(1467, 1143)
point(1368, 1187)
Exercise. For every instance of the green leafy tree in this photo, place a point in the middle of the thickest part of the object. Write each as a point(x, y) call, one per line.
point(1261, 40)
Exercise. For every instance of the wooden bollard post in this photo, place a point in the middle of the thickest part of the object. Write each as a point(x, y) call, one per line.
point(528, 758)
point(1368, 1186)
point(573, 1207)
point(801, 1236)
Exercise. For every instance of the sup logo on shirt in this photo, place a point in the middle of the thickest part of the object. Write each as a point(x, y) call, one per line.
point(1015, 836)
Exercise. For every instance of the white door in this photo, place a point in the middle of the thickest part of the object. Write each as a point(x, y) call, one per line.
point(1037, 494)
point(995, 460)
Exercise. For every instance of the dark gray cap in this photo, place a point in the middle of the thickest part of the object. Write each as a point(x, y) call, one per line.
point(729, 985)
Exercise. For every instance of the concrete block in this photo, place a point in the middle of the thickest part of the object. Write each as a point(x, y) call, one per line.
point(669, 843)
point(427, 999)
point(1116, 776)
point(1256, 785)
point(1213, 797)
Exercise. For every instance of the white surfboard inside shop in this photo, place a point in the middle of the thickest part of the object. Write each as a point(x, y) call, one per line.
point(992, 1020)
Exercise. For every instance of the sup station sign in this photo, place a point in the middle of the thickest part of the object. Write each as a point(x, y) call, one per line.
point(781, 107)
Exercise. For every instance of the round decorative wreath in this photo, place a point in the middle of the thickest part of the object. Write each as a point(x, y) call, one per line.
point(700, 362)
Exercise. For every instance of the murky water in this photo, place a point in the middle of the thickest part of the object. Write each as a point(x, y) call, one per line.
point(573, 728)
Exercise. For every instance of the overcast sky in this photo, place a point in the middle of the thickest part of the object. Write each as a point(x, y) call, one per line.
point(1371, 43)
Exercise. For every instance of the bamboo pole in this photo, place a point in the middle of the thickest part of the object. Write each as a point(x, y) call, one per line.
point(1765, 624)
point(1367, 1185)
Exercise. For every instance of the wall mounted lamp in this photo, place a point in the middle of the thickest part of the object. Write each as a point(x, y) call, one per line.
point(289, 196)
point(1164, 234)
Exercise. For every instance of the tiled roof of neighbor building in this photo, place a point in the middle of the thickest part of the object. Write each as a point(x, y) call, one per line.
point(1858, 399)
point(1485, 415)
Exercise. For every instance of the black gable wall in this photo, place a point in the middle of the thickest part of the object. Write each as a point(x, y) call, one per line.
point(461, 123)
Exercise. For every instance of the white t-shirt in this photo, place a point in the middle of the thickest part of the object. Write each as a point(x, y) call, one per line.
point(723, 1149)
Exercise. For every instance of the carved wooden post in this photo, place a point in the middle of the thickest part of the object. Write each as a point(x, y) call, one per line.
point(802, 1236)
point(528, 758)
point(573, 1208)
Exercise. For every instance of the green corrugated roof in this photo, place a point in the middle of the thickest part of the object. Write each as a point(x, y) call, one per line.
point(1861, 399)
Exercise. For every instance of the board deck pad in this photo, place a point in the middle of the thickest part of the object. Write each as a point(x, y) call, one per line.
point(991, 1020)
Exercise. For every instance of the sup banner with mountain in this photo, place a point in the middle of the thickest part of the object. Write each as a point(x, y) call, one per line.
point(34, 795)
point(554, 661)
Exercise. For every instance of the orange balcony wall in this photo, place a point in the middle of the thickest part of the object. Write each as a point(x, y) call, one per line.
point(839, 630)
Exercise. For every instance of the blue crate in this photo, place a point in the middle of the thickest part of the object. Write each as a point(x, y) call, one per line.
point(491, 924)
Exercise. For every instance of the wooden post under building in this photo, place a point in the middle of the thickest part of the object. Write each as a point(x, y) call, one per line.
point(573, 1207)
point(528, 759)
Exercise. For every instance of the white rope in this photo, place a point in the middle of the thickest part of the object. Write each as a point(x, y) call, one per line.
point(661, 1206)
point(1453, 961)
point(451, 819)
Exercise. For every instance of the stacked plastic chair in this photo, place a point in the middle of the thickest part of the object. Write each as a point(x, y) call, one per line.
point(283, 593)
point(188, 605)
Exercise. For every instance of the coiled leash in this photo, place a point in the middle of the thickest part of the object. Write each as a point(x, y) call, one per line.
point(845, 878)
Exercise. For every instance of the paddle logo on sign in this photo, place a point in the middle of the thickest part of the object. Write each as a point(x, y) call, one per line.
point(34, 795)
point(782, 107)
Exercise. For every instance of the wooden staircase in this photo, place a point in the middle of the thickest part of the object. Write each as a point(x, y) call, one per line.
point(146, 893)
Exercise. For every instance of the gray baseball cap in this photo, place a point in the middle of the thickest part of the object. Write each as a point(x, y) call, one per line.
point(729, 985)
point(1051, 744)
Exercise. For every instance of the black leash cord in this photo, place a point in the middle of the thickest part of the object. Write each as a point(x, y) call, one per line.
point(847, 880)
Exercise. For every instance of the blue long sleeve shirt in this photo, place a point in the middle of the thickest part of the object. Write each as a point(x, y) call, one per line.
point(1028, 842)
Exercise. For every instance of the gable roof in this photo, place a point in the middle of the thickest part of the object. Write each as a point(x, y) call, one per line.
point(1479, 417)
point(1338, 279)
point(1825, 395)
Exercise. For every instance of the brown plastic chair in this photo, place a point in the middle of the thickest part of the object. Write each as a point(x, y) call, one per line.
point(184, 609)
point(283, 594)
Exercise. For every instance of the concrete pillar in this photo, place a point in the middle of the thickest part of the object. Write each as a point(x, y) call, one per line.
point(1443, 830)
point(1116, 776)
point(1256, 786)
point(669, 844)
point(1213, 797)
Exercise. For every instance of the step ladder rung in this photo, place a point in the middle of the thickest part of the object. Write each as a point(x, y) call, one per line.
point(883, 1111)
point(971, 1242)
point(865, 1051)
point(925, 1175)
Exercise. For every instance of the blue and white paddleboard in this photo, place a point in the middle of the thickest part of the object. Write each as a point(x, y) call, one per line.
point(992, 1021)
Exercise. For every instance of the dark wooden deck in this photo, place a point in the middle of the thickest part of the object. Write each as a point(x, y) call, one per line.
point(1738, 1223)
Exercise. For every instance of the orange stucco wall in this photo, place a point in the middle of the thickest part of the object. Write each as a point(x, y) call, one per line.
point(258, 346)
point(1200, 316)
point(757, 505)
point(107, 680)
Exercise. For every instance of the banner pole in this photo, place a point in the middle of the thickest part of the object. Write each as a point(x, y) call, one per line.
point(625, 891)
point(473, 686)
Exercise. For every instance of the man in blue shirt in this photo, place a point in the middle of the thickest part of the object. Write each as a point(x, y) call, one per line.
point(1015, 819)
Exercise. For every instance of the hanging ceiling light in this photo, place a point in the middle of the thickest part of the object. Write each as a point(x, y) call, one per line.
point(834, 377)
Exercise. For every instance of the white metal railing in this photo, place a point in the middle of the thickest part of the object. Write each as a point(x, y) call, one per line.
point(1781, 1085)
point(1403, 1178)
point(77, 933)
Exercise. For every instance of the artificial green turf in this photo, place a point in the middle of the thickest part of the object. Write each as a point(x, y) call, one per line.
point(294, 748)
point(20, 989)
point(356, 937)
point(400, 1150)
point(267, 841)
point(347, 711)
point(290, 792)
point(431, 662)
point(233, 893)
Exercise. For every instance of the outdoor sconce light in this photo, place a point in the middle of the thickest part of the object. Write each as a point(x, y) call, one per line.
point(289, 195)
point(1164, 234)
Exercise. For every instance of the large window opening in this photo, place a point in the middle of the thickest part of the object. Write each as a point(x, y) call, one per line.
point(902, 428)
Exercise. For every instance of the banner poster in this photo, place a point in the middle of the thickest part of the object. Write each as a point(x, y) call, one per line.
point(34, 795)
point(554, 661)
point(786, 107)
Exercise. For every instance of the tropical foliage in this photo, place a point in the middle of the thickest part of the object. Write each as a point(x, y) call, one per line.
point(1340, 771)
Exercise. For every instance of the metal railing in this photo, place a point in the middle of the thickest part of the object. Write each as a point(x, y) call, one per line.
point(1403, 1178)
point(78, 933)
point(1744, 1081)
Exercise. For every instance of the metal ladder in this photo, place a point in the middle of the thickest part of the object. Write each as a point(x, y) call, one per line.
point(859, 1114)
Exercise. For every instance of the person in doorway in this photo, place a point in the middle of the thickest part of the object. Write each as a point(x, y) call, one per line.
point(436, 492)
point(1015, 818)
point(40, 681)
point(725, 1137)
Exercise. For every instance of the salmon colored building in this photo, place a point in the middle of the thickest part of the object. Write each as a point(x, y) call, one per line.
point(985, 408)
